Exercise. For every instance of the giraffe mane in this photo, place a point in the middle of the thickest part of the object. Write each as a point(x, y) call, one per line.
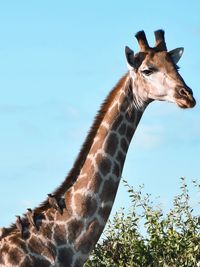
point(78, 164)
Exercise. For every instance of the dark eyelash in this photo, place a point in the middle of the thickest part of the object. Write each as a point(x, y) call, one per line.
point(149, 71)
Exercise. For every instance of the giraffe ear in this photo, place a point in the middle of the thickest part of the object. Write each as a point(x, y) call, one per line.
point(176, 54)
point(129, 57)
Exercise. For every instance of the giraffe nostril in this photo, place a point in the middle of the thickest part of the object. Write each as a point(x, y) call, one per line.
point(185, 97)
point(183, 92)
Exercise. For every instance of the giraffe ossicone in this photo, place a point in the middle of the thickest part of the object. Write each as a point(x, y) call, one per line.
point(64, 229)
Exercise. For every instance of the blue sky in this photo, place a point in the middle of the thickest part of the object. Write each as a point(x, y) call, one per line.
point(58, 61)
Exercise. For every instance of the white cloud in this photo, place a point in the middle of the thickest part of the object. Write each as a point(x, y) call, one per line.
point(148, 136)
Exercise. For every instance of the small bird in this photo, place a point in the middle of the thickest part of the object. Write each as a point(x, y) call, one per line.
point(2, 231)
point(32, 218)
point(54, 203)
point(19, 225)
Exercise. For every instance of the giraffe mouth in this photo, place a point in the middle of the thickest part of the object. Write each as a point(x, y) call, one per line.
point(189, 102)
point(184, 97)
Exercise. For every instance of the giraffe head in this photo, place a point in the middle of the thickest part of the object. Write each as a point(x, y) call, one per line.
point(154, 72)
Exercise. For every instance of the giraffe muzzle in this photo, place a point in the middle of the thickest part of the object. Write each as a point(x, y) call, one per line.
point(184, 97)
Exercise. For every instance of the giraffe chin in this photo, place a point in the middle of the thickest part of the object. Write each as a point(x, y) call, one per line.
point(185, 103)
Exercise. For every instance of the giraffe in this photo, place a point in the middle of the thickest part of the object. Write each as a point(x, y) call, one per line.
point(64, 229)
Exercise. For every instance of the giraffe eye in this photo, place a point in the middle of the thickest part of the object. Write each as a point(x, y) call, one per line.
point(148, 72)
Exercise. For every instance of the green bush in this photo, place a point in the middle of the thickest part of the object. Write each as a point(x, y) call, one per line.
point(144, 236)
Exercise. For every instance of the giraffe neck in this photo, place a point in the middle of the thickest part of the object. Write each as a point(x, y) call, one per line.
point(67, 239)
point(92, 196)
